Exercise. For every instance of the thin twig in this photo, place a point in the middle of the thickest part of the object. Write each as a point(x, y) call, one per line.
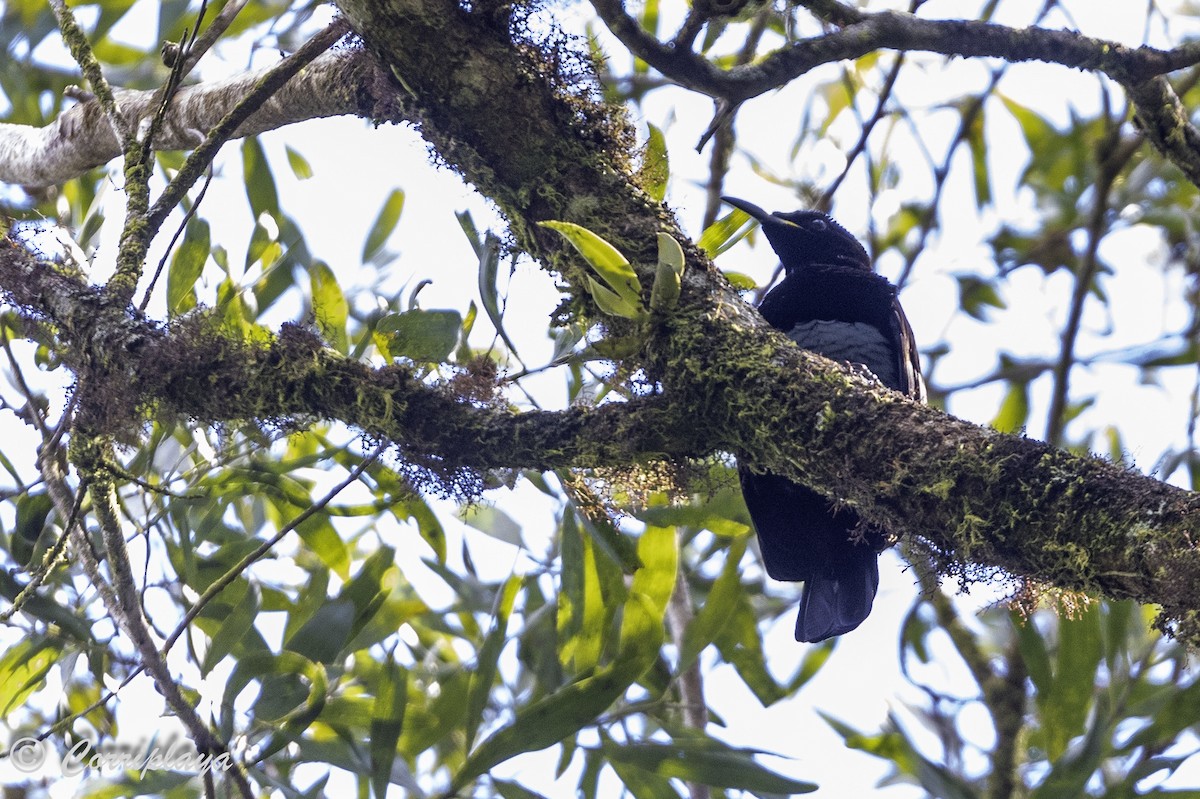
point(76, 40)
point(129, 616)
point(171, 245)
point(204, 42)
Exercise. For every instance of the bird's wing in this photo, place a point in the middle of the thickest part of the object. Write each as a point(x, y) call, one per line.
point(909, 360)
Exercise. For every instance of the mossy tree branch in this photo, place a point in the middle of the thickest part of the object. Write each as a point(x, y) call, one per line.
point(984, 497)
point(544, 147)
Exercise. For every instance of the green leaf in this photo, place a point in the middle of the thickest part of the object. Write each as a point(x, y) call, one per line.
point(655, 170)
point(470, 231)
point(707, 761)
point(713, 615)
point(484, 675)
point(511, 790)
point(42, 607)
point(493, 521)
point(611, 303)
point(1014, 411)
point(387, 722)
point(299, 164)
point(260, 183)
point(428, 526)
point(32, 512)
point(23, 670)
point(489, 270)
point(724, 233)
point(581, 607)
point(323, 636)
point(242, 601)
point(187, 264)
point(979, 165)
point(563, 713)
point(271, 669)
point(385, 223)
point(739, 281)
point(610, 265)
point(322, 540)
point(837, 96)
point(668, 276)
point(740, 643)
point(976, 295)
point(1065, 705)
point(423, 336)
point(367, 589)
point(330, 308)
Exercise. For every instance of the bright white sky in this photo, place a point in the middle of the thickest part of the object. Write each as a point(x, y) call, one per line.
point(357, 166)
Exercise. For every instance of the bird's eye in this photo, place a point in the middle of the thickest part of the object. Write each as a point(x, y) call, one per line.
point(818, 225)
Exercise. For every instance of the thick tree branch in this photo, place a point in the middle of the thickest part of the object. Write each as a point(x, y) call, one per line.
point(544, 148)
point(81, 138)
point(729, 382)
point(975, 495)
point(1165, 122)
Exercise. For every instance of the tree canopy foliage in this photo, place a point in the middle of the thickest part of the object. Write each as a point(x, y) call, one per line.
point(349, 536)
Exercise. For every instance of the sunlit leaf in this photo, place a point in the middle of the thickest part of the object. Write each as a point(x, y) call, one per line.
point(609, 265)
point(187, 264)
point(299, 164)
point(385, 223)
point(330, 308)
point(655, 171)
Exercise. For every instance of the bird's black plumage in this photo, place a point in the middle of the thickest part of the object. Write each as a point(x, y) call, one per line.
point(831, 302)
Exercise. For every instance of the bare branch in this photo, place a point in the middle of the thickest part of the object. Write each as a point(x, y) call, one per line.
point(80, 139)
point(894, 30)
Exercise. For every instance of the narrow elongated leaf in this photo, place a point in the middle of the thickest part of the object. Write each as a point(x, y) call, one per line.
point(664, 294)
point(1014, 410)
point(385, 223)
point(243, 600)
point(23, 670)
point(330, 308)
point(470, 231)
point(610, 265)
point(187, 265)
point(299, 164)
point(724, 233)
point(581, 608)
point(493, 521)
point(387, 722)
point(612, 303)
point(713, 615)
point(270, 669)
point(484, 674)
point(656, 170)
point(322, 637)
point(707, 761)
point(260, 183)
point(979, 166)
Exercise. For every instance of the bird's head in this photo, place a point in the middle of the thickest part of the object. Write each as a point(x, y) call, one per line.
point(805, 238)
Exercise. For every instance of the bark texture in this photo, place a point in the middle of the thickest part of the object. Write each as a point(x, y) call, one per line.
point(517, 114)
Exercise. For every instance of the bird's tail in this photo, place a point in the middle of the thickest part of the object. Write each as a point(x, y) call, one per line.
point(837, 604)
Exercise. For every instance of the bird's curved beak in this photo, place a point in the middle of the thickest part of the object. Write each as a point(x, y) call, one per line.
point(765, 219)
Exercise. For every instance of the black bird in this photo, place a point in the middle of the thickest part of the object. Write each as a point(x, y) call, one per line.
point(831, 302)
